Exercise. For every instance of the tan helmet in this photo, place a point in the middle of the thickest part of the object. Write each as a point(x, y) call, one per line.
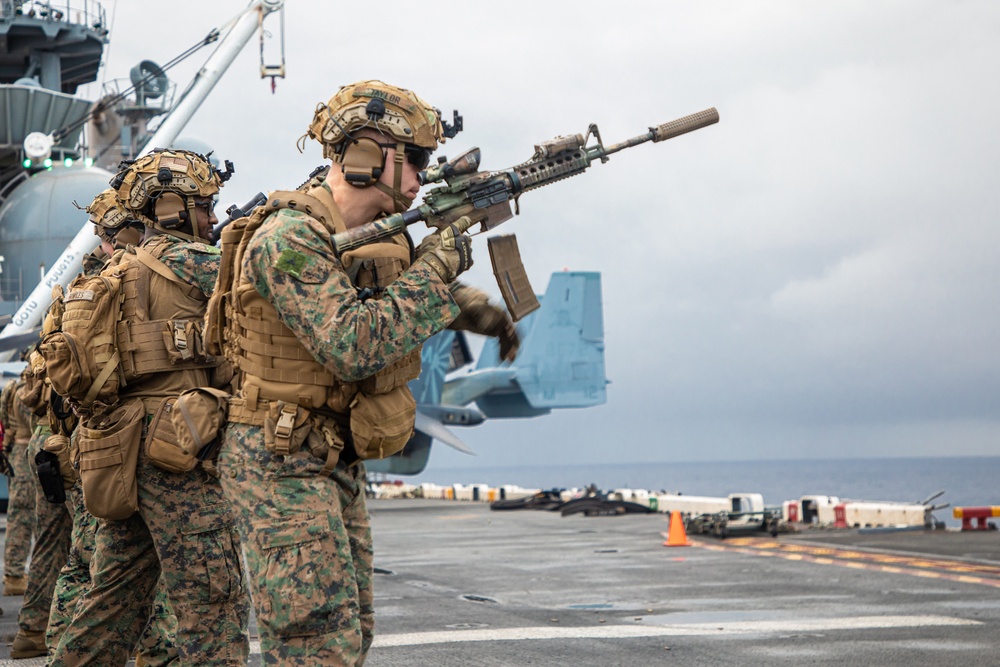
point(414, 126)
point(393, 111)
point(159, 189)
point(112, 223)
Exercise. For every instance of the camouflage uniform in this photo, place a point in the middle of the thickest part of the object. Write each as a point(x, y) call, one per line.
point(183, 529)
point(53, 526)
point(21, 499)
point(307, 536)
point(156, 645)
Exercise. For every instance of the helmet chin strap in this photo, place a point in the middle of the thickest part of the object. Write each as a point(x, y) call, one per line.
point(401, 201)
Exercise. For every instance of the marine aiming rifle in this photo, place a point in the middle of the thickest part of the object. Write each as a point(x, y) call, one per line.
point(469, 197)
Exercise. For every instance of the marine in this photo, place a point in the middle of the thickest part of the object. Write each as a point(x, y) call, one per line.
point(16, 420)
point(52, 521)
point(323, 348)
point(154, 519)
point(117, 231)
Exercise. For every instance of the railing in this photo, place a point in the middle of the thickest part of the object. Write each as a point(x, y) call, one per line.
point(89, 13)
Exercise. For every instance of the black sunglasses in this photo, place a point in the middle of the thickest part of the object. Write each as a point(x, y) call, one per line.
point(415, 155)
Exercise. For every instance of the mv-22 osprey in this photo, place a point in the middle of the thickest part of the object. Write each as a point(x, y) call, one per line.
point(57, 147)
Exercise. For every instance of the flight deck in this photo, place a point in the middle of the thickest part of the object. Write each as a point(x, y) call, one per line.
point(459, 584)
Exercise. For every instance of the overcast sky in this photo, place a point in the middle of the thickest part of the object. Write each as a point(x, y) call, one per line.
point(814, 277)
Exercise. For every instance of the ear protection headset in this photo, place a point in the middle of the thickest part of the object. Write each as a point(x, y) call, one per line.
point(362, 160)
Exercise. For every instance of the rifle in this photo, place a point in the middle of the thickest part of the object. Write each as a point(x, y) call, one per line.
point(235, 213)
point(469, 196)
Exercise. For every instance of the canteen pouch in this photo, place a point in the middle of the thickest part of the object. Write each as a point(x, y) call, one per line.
point(382, 424)
point(108, 450)
point(199, 415)
point(47, 467)
point(59, 445)
point(286, 427)
point(163, 447)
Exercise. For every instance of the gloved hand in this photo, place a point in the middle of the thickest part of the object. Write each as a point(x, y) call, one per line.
point(449, 252)
point(481, 317)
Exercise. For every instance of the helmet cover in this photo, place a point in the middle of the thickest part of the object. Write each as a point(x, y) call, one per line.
point(171, 176)
point(394, 112)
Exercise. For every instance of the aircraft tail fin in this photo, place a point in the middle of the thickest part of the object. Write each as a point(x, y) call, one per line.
point(561, 360)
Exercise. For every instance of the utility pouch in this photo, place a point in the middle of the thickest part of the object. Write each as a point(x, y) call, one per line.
point(199, 415)
point(108, 447)
point(183, 342)
point(59, 445)
point(285, 428)
point(47, 466)
point(30, 394)
point(324, 442)
point(382, 424)
point(163, 447)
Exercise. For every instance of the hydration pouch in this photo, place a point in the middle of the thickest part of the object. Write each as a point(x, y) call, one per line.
point(163, 447)
point(108, 450)
point(198, 417)
point(47, 467)
point(59, 445)
point(382, 424)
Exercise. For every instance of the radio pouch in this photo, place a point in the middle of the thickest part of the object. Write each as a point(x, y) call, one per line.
point(108, 449)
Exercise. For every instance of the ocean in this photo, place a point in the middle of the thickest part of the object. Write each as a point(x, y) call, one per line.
point(965, 481)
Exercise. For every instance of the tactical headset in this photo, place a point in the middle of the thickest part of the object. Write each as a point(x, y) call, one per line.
point(362, 159)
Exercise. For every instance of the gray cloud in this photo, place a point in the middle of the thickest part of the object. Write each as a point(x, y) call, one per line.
point(815, 276)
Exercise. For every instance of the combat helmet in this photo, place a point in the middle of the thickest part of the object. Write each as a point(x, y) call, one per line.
point(159, 189)
point(112, 223)
point(409, 124)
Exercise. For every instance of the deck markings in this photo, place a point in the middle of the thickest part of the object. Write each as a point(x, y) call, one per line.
point(677, 630)
point(636, 631)
point(930, 568)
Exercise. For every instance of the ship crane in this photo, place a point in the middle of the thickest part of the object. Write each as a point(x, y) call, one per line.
point(69, 264)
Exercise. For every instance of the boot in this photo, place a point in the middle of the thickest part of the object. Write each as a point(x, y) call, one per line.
point(14, 585)
point(28, 644)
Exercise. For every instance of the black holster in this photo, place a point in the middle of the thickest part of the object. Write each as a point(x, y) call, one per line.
point(49, 476)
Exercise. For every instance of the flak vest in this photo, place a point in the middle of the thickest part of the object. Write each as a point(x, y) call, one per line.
point(280, 384)
point(159, 334)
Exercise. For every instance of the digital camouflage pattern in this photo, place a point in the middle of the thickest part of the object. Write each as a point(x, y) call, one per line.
point(52, 537)
point(185, 519)
point(183, 531)
point(195, 263)
point(291, 264)
point(307, 537)
point(21, 501)
point(156, 645)
point(309, 551)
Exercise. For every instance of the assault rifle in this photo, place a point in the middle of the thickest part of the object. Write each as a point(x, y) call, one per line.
point(469, 197)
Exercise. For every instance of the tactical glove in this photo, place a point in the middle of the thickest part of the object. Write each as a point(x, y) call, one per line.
point(482, 317)
point(449, 252)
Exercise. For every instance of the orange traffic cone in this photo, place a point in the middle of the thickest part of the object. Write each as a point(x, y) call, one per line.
point(677, 537)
